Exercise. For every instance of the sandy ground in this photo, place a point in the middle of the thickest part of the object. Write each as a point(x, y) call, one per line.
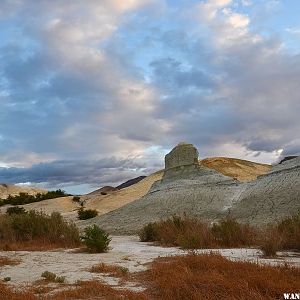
point(126, 251)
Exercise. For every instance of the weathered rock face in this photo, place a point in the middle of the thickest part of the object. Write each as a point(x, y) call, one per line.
point(182, 162)
point(207, 194)
point(182, 155)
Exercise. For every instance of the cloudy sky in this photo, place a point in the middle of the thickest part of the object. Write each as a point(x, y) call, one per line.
point(96, 92)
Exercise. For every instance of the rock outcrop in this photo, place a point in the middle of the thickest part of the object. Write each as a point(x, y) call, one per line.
point(198, 191)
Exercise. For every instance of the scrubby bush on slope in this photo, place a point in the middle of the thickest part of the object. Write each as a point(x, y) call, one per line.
point(36, 230)
point(84, 214)
point(24, 198)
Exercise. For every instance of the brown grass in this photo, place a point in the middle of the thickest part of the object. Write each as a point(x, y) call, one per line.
point(35, 245)
point(6, 261)
point(211, 276)
point(112, 270)
point(192, 233)
point(189, 277)
point(8, 293)
point(82, 290)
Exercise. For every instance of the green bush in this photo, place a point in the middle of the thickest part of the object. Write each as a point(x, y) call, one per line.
point(149, 233)
point(96, 239)
point(25, 198)
point(16, 210)
point(37, 226)
point(84, 214)
point(76, 199)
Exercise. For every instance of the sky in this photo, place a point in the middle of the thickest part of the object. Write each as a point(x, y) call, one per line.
point(96, 92)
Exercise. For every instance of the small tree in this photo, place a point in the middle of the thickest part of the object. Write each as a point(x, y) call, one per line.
point(96, 239)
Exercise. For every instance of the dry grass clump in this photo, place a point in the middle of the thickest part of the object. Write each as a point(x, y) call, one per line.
point(82, 290)
point(185, 232)
point(229, 233)
point(205, 276)
point(6, 261)
point(191, 233)
point(36, 231)
point(285, 235)
point(112, 270)
point(211, 276)
point(8, 293)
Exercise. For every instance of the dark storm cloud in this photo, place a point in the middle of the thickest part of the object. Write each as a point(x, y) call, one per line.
point(74, 172)
point(84, 81)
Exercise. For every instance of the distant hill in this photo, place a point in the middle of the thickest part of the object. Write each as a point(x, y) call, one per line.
point(130, 182)
point(13, 190)
point(104, 190)
point(109, 198)
point(242, 170)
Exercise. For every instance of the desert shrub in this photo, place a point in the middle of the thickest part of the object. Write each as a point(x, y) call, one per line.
point(285, 235)
point(96, 239)
point(37, 227)
point(76, 199)
point(149, 233)
point(25, 198)
point(188, 233)
point(270, 241)
point(84, 214)
point(49, 276)
point(289, 230)
point(229, 233)
point(16, 210)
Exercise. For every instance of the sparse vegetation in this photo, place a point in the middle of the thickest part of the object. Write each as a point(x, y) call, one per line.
point(51, 277)
point(190, 233)
point(112, 270)
point(96, 239)
point(229, 233)
point(6, 261)
point(6, 279)
point(16, 210)
point(36, 230)
point(25, 198)
point(285, 235)
point(211, 276)
point(185, 232)
point(84, 214)
point(76, 199)
point(192, 276)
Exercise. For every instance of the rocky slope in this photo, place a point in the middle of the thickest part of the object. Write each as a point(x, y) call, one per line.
point(196, 190)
